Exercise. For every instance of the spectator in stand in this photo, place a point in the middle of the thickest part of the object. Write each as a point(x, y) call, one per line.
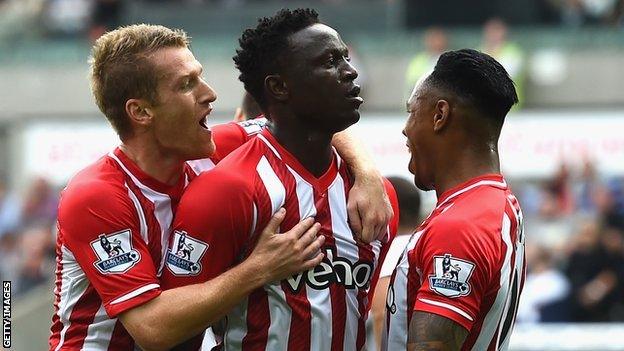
point(613, 243)
point(559, 186)
point(546, 289)
point(40, 205)
point(9, 211)
point(593, 276)
point(436, 42)
point(105, 16)
point(509, 54)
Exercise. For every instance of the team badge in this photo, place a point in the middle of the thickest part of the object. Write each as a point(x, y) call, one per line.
point(115, 253)
point(184, 254)
point(253, 126)
point(451, 276)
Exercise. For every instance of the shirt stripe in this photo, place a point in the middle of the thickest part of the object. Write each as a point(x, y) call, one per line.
point(449, 307)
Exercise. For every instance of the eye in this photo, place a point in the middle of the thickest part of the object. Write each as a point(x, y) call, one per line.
point(331, 61)
point(189, 83)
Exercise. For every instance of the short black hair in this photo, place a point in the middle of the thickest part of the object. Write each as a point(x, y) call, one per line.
point(261, 47)
point(477, 78)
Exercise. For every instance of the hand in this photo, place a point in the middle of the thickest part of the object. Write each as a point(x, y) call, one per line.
point(280, 256)
point(369, 208)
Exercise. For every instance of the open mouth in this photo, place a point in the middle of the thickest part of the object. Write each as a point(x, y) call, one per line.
point(204, 121)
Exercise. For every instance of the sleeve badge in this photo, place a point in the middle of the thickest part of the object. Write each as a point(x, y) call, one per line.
point(115, 252)
point(184, 254)
point(451, 276)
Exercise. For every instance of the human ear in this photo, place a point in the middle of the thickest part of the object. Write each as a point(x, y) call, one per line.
point(441, 117)
point(276, 87)
point(139, 111)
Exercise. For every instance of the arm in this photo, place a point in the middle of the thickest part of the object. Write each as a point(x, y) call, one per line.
point(183, 312)
point(431, 332)
point(378, 308)
point(368, 206)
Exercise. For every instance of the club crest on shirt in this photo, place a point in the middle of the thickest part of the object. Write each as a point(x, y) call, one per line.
point(115, 253)
point(184, 254)
point(451, 276)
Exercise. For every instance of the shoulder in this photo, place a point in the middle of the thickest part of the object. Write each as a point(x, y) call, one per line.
point(233, 178)
point(218, 179)
point(480, 210)
point(100, 184)
point(469, 227)
point(95, 201)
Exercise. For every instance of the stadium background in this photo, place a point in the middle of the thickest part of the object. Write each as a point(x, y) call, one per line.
point(562, 148)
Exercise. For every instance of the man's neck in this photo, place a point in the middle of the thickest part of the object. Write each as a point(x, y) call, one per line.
point(151, 160)
point(311, 148)
point(466, 166)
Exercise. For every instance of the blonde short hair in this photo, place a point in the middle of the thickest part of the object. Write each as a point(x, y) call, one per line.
point(121, 70)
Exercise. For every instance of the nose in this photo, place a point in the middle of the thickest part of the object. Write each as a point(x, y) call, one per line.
point(349, 72)
point(207, 94)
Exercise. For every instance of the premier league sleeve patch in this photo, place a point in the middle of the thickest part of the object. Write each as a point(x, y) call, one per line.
point(451, 276)
point(253, 126)
point(184, 254)
point(115, 253)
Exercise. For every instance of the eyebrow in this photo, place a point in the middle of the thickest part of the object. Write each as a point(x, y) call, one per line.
point(191, 74)
point(329, 51)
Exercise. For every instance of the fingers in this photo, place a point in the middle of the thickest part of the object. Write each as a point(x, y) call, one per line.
point(313, 262)
point(355, 221)
point(369, 232)
point(381, 233)
point(302, 227)
point(375, 228)
point(274, 222)
point(313, 247)
point(384, 228)
point(310, 234)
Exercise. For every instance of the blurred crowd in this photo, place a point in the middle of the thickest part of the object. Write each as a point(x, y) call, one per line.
point(574, 225)
point(27, 234)
point(495, 42)
point(92, 17)
point(59, 18)
point(576, 13)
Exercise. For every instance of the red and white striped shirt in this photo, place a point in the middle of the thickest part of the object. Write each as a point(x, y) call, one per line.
point(113, 227)
point(219, 219)
point(466, 263)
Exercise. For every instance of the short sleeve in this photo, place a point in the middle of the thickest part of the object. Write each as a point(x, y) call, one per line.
point(394, 253)
point(211, 226)
point(453, 271)
point(99, 228)
point(229, 136)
